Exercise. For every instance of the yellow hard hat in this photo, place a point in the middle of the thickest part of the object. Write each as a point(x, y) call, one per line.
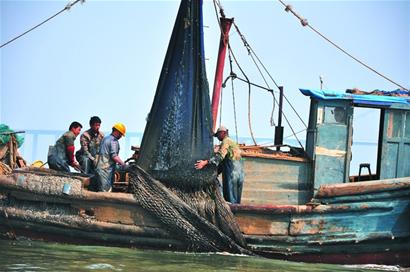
point(38, 164)
point(120, 127)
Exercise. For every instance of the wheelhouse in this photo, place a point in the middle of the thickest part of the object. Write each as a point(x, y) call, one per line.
point(279, 177)
point(330, 136)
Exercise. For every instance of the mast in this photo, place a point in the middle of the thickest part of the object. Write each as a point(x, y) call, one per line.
point(279, 128)
point(225, 27)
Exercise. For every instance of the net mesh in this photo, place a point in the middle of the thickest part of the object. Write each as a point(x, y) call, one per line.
point(200, 218)
point(178, 133)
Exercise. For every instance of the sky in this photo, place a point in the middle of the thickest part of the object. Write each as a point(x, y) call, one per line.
point(104, 58)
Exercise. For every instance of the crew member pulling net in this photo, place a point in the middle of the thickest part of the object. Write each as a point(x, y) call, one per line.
point(177, 134)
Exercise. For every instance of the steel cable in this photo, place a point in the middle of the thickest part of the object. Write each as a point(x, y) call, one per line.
point(305, 22)
point(67, 7)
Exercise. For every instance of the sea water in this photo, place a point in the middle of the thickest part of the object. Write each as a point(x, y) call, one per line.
point(26, 255)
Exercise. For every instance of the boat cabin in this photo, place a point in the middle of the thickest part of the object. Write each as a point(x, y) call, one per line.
point(273, 177)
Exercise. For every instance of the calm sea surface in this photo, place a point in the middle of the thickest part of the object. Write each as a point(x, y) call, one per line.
point(41, 256)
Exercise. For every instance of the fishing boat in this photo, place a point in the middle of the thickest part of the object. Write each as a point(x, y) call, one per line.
point(298, 204)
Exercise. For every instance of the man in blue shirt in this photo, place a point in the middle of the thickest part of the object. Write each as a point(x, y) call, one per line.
point(108, 158)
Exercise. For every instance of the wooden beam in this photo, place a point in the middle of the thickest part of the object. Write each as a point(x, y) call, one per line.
point(363, 187)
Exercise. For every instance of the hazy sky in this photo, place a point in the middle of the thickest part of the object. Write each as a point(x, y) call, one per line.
point(104, 57)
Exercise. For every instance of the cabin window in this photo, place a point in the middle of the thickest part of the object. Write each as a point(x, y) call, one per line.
point(335, 115)
point(407, 126)
point(394, 125)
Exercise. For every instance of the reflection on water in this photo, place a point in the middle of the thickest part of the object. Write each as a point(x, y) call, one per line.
point(40, 256)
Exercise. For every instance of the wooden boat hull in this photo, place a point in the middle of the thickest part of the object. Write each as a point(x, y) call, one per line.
point(327, 233)
point(338, 226)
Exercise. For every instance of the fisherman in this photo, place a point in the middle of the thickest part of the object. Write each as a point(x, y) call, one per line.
point(90, 143)
point(108, 158)
point(61, 155)
point(228, 160)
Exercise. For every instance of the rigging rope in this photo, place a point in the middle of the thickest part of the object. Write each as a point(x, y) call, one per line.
point(293, 131)
point(255, 60)
point(271, 119)
point(274, 99)
point(233, 98)
point(217, 18)
point(300, 131)
point(67, 7)
point(251, 53)
point(248, 47)
point(305, 22)
point(250, 50)
point(221, 10)
point(249, 94)
point(297, 114)
point(220, 109)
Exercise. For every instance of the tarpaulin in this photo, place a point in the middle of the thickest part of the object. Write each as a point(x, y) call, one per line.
point(178, 129)
point(356, 98)
point(5, 136)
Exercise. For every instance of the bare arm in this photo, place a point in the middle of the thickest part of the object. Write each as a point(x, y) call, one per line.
point(118, 160)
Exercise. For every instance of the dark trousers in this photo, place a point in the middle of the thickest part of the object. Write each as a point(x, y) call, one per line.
point(232, 180)
point(56, 163)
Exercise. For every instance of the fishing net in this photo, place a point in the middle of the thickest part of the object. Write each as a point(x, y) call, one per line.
point(177, 134)
point(201, 219)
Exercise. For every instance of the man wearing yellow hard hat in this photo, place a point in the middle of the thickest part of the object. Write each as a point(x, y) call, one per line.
point(108, 158)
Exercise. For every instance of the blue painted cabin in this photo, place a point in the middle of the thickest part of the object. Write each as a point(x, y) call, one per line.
point(273, 177)
point(308, 208)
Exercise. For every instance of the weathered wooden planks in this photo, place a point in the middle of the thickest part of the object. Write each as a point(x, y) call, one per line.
point(363, 187)
point(276, 181)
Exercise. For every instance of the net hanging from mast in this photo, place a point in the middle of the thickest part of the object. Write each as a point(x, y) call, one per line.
point(178, 133)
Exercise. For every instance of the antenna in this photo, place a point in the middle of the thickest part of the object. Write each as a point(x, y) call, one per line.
point(321, 82)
